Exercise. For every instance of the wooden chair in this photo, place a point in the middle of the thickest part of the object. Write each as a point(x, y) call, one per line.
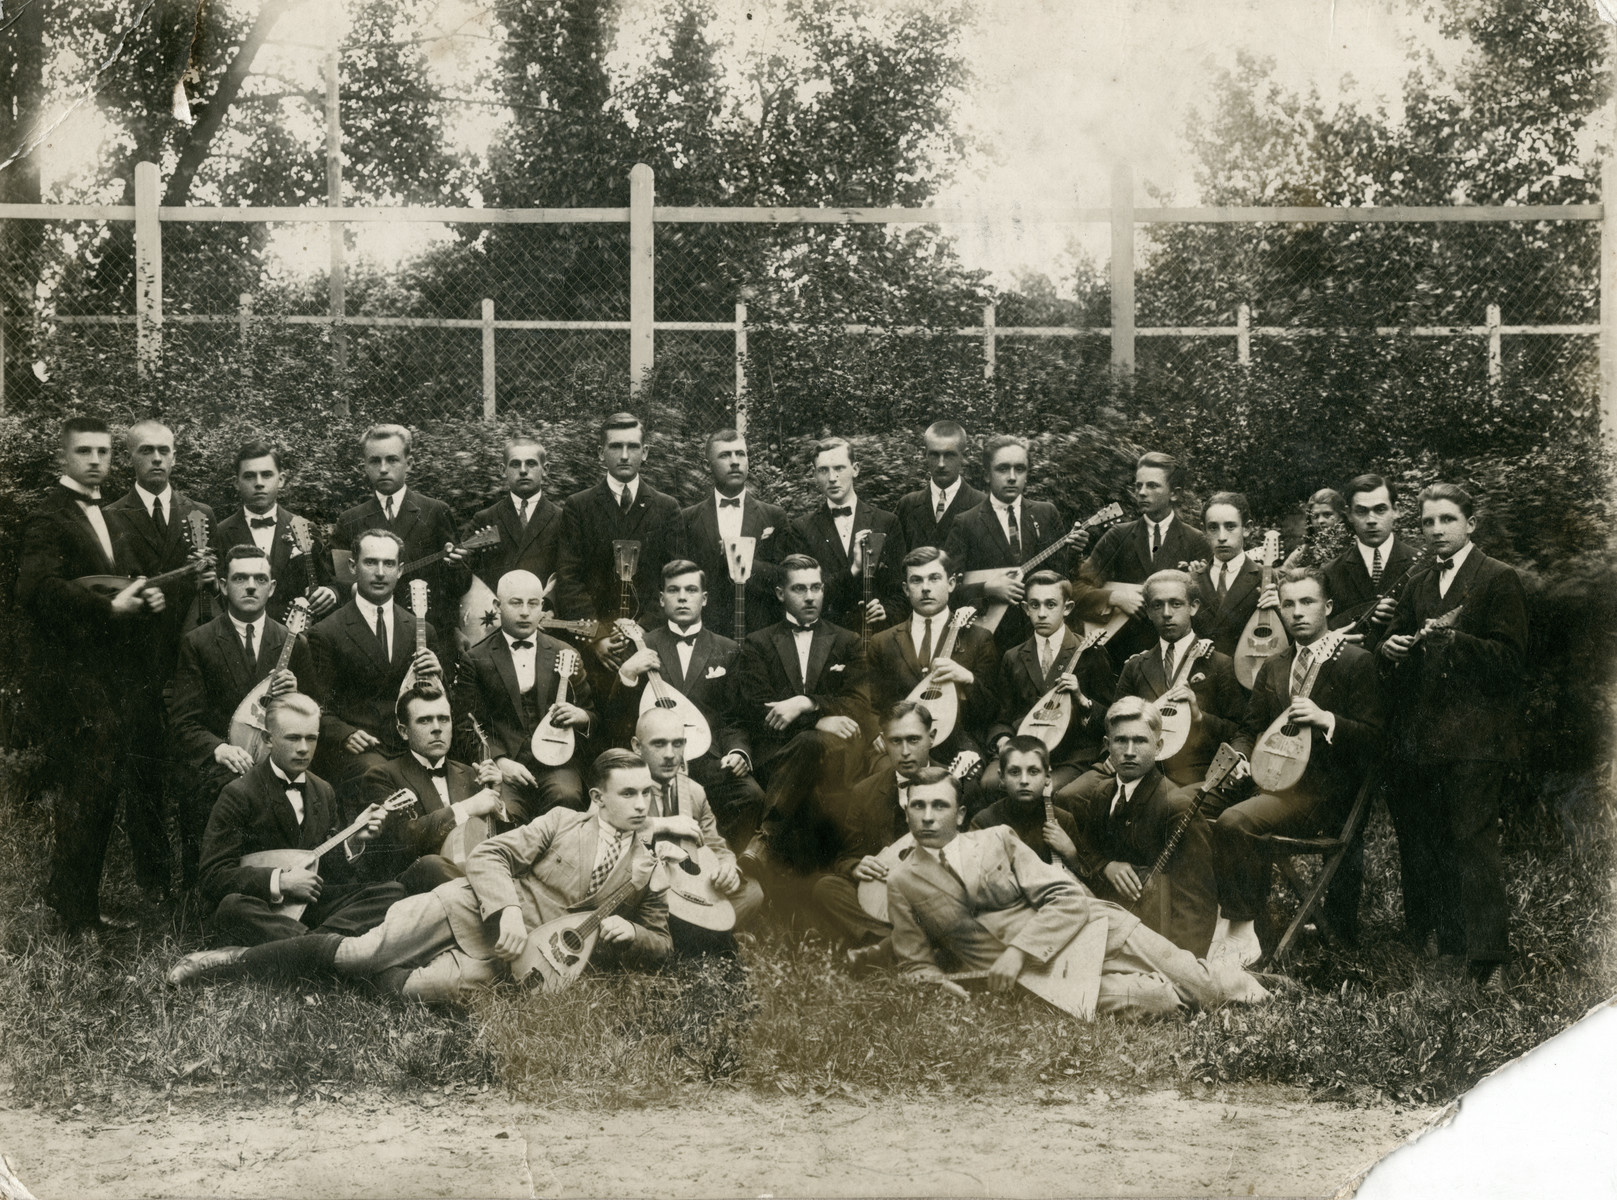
point(1331, 851)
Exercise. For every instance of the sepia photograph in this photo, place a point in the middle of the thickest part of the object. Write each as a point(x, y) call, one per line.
point(807, 598)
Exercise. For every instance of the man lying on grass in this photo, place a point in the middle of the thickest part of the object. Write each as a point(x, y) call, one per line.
point(442, 946)
point(983, 901)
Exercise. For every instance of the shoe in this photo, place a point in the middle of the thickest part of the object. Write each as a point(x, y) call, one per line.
point(1277, 985)
point(1488, 976)
point(97, 927)
point(862, 960)
point(206, 964)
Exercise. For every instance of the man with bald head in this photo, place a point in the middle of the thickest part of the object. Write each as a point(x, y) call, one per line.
point(509, 682)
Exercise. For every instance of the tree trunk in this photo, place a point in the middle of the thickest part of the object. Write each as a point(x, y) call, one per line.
point(22, 243)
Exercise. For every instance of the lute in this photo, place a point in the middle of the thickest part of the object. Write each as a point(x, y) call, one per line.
point(1051, 714)
point(1176, 713)
point(465, 836)
point(420, 603)
point(738, 555)
point(1154, 907)
point(689, 866)
point(1281, 754)
point(552, 744)
point(659, 693)
point(873, 542)
point(196, 535)
point(558, 951)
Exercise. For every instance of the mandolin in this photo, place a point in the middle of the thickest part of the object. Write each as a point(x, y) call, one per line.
point(474, 829)
point(553, 744)
point(873, 542)
point(1051, 714)
point(1154, 907)
point(659, 693)
point(1281, 753)
point(689, 866)
point(1176, 714)
point(993, 611)
point(738, 555)
point(942, 700)
point(558, 951)
point(108, 586)
point(248, 729)
point(1264, 635)
point(1446, 621)
point(967, 765)
point(420, 602)
point(196, 535)
point(342, 561)
point(402, 800)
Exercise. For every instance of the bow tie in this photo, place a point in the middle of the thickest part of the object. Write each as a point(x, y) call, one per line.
point(687, 639)
point(734, 503)
point(95, 501)
point(845, 511)
point(796, 628)
point(1444, 564)
point(260, 522)
point(524, 644)
point(438, 772)
point(293, 787)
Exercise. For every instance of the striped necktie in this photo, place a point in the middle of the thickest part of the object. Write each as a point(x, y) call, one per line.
point(1375, 567)
point(610, 854)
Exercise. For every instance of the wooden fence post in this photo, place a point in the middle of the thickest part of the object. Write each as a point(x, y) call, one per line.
point(1122, 270)
point(642, 266)
point(336, 281)
point(1243, 334)
point(148, 271)
point(1495, 357)
point(1608, 296)
point(488, 359)
point(741, 367)
point(990, 350)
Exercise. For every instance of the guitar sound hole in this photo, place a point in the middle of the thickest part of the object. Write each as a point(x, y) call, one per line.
point(931, 694)
point(668, 703)
point(1167, 711)
point(569, 944)
point(1289, 730)
point(689, 867)
point(1262, 631)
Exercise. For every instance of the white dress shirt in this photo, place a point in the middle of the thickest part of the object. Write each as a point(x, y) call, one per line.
point(1123, 796)
point(92, 513)
point(942, 497)
point(1228, 572)
point(525, 661)
point(681, 649)
point(531, 501)
point(1003, 511)
point(1157, 531)
point(729, 516)
point(803, 639)
point(367, 613)
point(295, 799)
point(151, 501)
point(618, 487)
point(1368, 553)
point(1180, 648)
point(845, 524)
point(1445, 579)
point(1048, 649)
point(264, 537)
point(940, 622)
point(606, 838)
point(948, 856)
point(440, 783)
point(257, 627)
point(397, 499)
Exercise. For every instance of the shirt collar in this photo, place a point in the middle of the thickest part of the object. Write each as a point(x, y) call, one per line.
point(1000, 506)
point(1234, 566)
point(1369, 552)
point(947, 494)
point(510, 641)
point(150, 499)
point(397, 498)
point(1056, 640)
point(852, 502)
point(1162, 524)
point(940, 621)
point(1180, 646)
point(691, 632)
point(257, 624)
point(618, 487)
point(1460, 556)
point(430, 765)
point(369, 610)
point(516, 500)
point(282, 776)
point(719, 496)
point(249, 515)
point(608, 829)
point(793, 624)
point(78, 488)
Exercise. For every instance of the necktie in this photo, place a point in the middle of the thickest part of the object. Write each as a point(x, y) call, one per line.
point(1046, 657)
point(159, 518)
point(1014, 531)
point(667, 803)
point(609, 859)
point(1223, 582)
point(524, 644)
point(733, 502)
point(926, 644)
point(88, 501)
point(942, 508)
point(1167, 664)
point(1299, 669)
point(624, 501)
point(1120, 799)
point(1156, 538)
point(805, 628)
point(381, 634)
point(522, 511)
point(387, 509)
point(260, 522)
point(845, 511)
point(1375, 567)
point(247, 645)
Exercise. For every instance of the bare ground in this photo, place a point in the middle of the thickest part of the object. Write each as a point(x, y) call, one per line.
point(1247, 1141)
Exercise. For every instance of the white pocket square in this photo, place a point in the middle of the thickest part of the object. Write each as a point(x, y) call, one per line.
point(766, 533)
point(838, 667)
point(714, 673)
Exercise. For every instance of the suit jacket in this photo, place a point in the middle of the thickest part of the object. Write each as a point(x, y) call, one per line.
point(77, 635)
point(1123, 555)
point(354, 686)
point(918, 520)
point(253, 814)
point(586, 578)
point(1464, 701)
point(1027, 822)
point(486, 688)
point(294, 574)
point(699, 541)
point(1225, 623)
point(1135, 833)
point(1347, 583)
point(867, 819)
point(143, 552)
point(815, 534)
point(692, 800)
point(977, 542)
point(214, 676)
point(837, 682)
point(895, 669)
point(544, 868)
point(530, 547)
point(406, 836)
point(711, 686)
point(1004, 896)
point(1219, 695)
point(1347, 687)
point(1022, 683)
point(425, 525)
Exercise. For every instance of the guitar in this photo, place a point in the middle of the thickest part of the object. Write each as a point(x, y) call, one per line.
point(342, 561)
point(1282, 751)
point(967, 765)
point(248, 729)
point(1155, 903)
point(873, 542)
point(689, 867)
point(558, 951)
point(553, 744)
point(993, 611)
point(738, 553)
point(196, 534)
point(1176, 715)
point(659, 694)
point(463, 837)
point(942, 700)
point(420, 601)
point(402, 800)
point(1264, 635)
point(1051, 714)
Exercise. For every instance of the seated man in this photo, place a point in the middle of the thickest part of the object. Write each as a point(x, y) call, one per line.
point(1039, 664)
point(680, 813)
point(281, 805)
point(443, 946)
point(411, 846)
point(1342, 706)
point(1025, 782)
point(1125, 819)
point(982, 901)
point(509, 683)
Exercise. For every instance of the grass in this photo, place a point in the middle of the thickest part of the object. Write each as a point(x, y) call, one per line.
point(98, 1026)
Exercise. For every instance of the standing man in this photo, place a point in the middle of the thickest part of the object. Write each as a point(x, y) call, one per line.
point(82, 636)
point(926, 516)
point(529, 525)
point(1373, 564)
point(261, 521)
point(1114, 574)
point(1461, 728)
point(1227, 591)
point(732, 511)
point(422, 525)
point(829, 534)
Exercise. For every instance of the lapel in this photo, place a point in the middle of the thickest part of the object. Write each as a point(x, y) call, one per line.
point(705, 525)
point(1153, 667)
point(663, 641)
point(269, 648)
point(230, 651)
point(364, 637)
point(505, 514)
point(752, 516)
point(281, 548)
point(141, 521)
point(403, 633)
point(405, 519)
point(1028, 656)
point(462, 781)
point(1284, 662)
point(419, 780)
point(1358, 576)
point(910, 652)
point(1141, 541)
point(819, 651)
point(835, 558)
point(701, 653)
point(589, 839)
point(1143, 791)
point(966, 499)
point(87, 534)
point(506, 669)
point(1463, 579)
point(628, 523)
point(286, 821)
point(786, 651)
point(996, 531)
point(1245, 584)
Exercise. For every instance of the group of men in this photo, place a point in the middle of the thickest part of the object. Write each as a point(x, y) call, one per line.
point(954, 735)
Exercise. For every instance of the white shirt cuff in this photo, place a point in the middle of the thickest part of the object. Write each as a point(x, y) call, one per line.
point(275, 885)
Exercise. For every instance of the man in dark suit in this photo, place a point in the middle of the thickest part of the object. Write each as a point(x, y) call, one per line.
point(423, 525)
point(1343, 709)
point(282, 805)
point(1228, 590)
point(1006, 530)
point(926, 516)
point(410, 847)
point(1373, 565)
point(529, 525)
point(1216, 699)
point(903, 655)
point(81, 638)
point(1125, 819)
point(510, 682)
point(734, 511)
point(1460, 726)
point(262, 521)
point(221, 662)
point(703, 666)
point(1113, 574)
point(1030, 670)
point(362, 653)
point(830, 535)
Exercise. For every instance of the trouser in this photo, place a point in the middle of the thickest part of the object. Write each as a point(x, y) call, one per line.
point(554, 787)
point(1446, 815)
point(427, 872)
point(1243, 866)
point(84, 763)
point(1145, 974)
point(413, 953)
point(346, 909)
point(811, 767)
point(147, 767)
point(838, 896)
point(196, 805)
point(1181, 904)
point(737, 802)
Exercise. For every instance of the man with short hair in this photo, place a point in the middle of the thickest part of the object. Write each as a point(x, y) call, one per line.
point(927, 515)
point(262, 521)
point(1024, 780)
point(79, 642)
point(221, 662)
point(1230, 590)
point(450, 944)
point(529, 524)
point(1460, 726)
point(830, 535)
point(1359, 580)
